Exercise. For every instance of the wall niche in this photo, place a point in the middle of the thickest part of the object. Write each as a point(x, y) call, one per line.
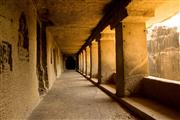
point(23, 39)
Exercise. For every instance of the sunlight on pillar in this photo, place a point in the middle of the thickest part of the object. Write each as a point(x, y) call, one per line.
point(94, 59)
point(84, 62)
point(88, 60)
point(108, 55)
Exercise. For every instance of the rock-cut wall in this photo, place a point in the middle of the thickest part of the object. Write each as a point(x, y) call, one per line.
point(19, 84)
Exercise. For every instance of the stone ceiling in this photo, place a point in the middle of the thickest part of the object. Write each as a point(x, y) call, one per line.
point(72, 20)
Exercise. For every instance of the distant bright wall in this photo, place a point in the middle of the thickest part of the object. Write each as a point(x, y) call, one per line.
point(163, 41)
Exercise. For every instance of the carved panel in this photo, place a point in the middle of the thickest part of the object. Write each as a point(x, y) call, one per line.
point(5, 57)
point(23, 42)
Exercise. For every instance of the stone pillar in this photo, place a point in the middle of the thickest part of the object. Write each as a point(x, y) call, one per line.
point(132, 59)
point(108, 62)
point(90, 47)
point(84, 62)
point(135, 55)
point(77, 62)
point(120, 82)
point(88, 60)
point(94, 59)
point(79, 57)
point(99, 59)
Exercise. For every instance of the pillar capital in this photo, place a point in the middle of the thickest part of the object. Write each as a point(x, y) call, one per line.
point(118, 25)
point(90, 44)
point(84, 49)
point(98, 38)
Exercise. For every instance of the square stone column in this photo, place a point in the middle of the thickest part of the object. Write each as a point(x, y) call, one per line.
point(79, 60)
point(108, 62)
point(88, 60)
point(132, 57)
point(84, 62)
point(94, 59)
point(90, 47)
point(99, 59)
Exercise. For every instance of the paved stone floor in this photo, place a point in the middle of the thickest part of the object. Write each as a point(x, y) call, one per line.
point(74, 98)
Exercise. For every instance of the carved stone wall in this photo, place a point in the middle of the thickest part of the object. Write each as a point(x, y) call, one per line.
point(18, 58)
point(18, 81)
point(5, 57)
point(23, 38)
point(54, 59)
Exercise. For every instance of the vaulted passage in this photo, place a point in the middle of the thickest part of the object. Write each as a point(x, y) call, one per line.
point(78, 99)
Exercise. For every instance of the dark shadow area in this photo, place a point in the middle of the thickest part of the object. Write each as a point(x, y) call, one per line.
point(41, 60)
point(70, 63)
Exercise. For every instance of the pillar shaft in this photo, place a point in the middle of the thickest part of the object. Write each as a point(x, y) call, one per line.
point(90, 46)
point(99, 61)
point(82, 63)
point(120, 83)
point(88, 60)
point(94, 59)
point(77, 63)
point(108, 62)
point(132, 62)
point(79, 58)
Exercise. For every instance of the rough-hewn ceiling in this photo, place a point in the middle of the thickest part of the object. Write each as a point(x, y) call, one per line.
point(73, 20)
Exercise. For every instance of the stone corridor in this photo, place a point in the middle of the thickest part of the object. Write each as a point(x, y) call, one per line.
point(125, 56)
point(74, 98)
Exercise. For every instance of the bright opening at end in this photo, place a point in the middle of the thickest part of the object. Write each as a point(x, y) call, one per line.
point(163, 41)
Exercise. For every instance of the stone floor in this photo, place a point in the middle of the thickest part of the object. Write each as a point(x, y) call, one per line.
point(74, 98)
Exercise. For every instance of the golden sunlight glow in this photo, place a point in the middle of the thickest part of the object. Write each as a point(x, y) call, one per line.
point(172, 22)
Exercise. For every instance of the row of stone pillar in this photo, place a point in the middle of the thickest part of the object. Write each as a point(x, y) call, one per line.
point(88, 60)
point(123, 52)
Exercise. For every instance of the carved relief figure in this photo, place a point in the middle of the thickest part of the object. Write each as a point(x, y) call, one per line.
point(1, 58)
point(23, 42)
point(5, 57)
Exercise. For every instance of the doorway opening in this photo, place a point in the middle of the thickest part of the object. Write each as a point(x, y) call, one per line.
point(70, 63)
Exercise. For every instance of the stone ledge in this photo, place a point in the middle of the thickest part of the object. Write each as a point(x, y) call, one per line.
point(95, 80)
point(162, 90)
point(109, 87)
point(144, 108)
point(150, 110)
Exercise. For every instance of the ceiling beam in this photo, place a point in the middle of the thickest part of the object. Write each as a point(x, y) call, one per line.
point(114, 12)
